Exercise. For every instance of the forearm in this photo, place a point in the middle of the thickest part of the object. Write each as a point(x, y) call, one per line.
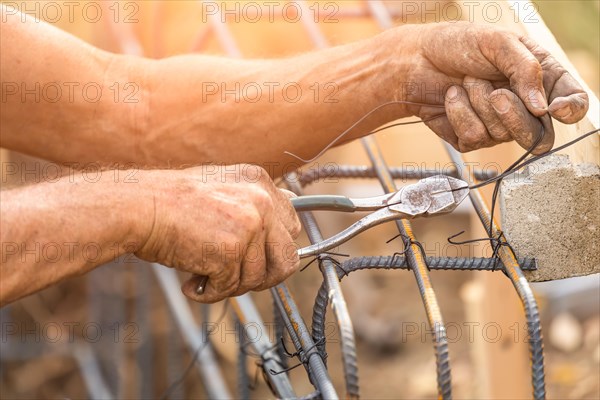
point(185, 110)
point(52, 231)
point(230, 111)
point(57, 102)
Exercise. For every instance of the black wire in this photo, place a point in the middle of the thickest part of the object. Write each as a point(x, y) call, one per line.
point(202, 346)
point(511, 169)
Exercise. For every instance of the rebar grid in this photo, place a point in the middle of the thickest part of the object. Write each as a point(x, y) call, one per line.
point(414, 260)
point(382, 15)
point(335, 296)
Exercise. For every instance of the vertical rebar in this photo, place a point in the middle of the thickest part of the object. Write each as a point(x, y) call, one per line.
point(250, 319)
point(335, 296)
point(515, 274)
point(279, 335)
point(194, 337)
point(305, 345)
point(417, 264)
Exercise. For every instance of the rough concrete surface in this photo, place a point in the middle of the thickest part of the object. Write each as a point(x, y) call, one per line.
point(551, 211)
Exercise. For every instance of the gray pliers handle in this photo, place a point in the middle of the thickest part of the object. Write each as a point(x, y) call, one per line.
point(435, 195)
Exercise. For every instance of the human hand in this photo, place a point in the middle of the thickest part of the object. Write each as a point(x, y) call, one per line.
point(493, 83)
point(231, 224)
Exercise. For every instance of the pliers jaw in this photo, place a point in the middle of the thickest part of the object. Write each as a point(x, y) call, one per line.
point(431, 196)
point(435, 195)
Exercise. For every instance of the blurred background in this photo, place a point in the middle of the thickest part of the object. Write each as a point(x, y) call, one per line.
point(115, 323)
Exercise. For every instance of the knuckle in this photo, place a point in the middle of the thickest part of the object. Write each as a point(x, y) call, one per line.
point(254, 173)
point(261, 199)
point(470, 142)
point(295, 226)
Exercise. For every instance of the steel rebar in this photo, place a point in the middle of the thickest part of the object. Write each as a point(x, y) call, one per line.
point(417, 264)
point(399, 262)
point(336, 298)
point(327, 172)
point(249, 317)
point(310, 356)
point(515, 274)
point(279, 335)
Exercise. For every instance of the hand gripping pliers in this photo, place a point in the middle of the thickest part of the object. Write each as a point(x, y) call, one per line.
point(431, 196)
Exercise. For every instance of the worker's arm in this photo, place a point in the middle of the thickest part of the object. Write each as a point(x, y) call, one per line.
point(196, 109)
point(233, 225)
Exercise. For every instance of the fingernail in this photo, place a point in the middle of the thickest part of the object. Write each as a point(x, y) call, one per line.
point(452, 93)
point(501, 103)
point(537, 99)
point(563, 112)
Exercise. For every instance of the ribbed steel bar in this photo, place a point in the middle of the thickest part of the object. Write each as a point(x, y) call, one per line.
point(303, 341)
point(434, 263)
point(194, 337)
point(243, 379)
point(335, 296)
point(399, 262)
point(249, 318)
point(419, 267)
point(328, 172)
point(515, 274)
point(414, 257)
point(279, 334)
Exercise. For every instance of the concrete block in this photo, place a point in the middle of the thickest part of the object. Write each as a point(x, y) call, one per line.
point(551, 211)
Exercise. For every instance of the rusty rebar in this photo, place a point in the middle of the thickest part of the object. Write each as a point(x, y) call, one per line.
point(326, 173)
point(335, 296)
point(515, 274)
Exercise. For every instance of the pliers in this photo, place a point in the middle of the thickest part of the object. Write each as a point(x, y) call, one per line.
point(431, 196)
point(436, 195)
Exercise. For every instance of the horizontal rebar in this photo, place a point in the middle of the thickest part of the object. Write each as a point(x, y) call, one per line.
point(434, 263)
point(399, 262)
point(362, 171)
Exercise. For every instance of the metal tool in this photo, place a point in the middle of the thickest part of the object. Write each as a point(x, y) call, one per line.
point(431, 196)
point(435, 195)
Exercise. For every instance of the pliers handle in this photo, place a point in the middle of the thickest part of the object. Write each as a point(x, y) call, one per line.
point(435, 195)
